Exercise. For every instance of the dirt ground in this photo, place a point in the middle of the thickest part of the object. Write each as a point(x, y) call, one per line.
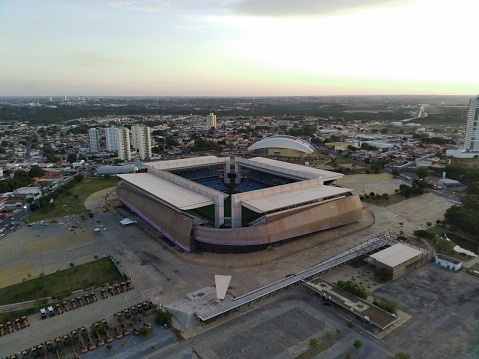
point(366, 183)
point(101, 199)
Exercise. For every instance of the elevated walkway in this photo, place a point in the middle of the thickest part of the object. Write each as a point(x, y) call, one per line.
point(366, 247)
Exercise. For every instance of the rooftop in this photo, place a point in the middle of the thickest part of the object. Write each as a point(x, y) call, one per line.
point(396, 254)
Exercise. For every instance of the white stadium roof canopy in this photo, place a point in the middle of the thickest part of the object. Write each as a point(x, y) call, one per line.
point(178, 196)
point(187, 163)
point(286, 168)
point(283, 141)
point(283, 200)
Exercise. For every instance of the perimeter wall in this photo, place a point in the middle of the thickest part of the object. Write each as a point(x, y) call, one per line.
point(314, 219)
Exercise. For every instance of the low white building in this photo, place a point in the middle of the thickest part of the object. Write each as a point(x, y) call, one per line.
point(447, 262)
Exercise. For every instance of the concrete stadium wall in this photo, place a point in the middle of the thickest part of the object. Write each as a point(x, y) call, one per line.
point(175, 226)
point(318, 218)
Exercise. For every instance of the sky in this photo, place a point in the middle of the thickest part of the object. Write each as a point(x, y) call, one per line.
point(238, 47)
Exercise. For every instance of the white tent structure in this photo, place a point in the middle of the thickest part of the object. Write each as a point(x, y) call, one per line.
point(222, 283)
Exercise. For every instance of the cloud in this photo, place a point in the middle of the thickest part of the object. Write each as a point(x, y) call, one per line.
point(165, 5)
point(304, 8)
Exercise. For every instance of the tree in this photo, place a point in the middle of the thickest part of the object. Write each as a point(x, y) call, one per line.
point(357, 344)
point(313, 342)
point(395, 172)
point(144, 331)
point(71, 157)
point(163, 317)
point(422, 172)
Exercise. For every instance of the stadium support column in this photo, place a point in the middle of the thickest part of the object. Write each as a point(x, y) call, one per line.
point(219, 211)
point(227, 172)
point(235, 211)
point(238, 174)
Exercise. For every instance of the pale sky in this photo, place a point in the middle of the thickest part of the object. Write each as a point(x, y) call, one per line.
point(238, 47)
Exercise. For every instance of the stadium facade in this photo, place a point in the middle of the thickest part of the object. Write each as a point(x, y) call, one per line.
point(286, 200)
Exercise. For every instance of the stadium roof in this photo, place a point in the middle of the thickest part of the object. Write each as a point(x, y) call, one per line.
point(187, 163)
point(178, 196)
point(395, 255)
point(287, 168)
point(281, 200)
point(283, 141)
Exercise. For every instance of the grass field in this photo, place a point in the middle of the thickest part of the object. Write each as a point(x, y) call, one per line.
point(62, 283)
point(208, 212)
point(67, 204)
point(457, 239)
point(383, 202)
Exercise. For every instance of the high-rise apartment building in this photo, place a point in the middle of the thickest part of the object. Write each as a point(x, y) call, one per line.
point(471, 142)
point(124, 151)
point(94, 140)
point(211, 120)
point(111, 139)
point(141, 140)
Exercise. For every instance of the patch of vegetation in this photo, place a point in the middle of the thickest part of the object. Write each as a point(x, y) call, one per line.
point(383, 200)
point(353, 288)
point(163, 317)
point(383, 275)
point(390, 306)
point(62, 282)
point(65, 204)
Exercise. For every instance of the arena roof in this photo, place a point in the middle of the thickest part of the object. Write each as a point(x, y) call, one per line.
point(271, 202)
point(283, 141)
point(289, 168)
point(187, 163)
point(395, 255)
point(178, 196)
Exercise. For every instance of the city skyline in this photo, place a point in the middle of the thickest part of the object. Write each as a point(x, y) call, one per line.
point(236, 48)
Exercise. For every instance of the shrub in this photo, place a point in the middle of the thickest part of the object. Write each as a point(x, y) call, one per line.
point(353, 288)
point(163, 317)
point(313, 342)
point(390, 306)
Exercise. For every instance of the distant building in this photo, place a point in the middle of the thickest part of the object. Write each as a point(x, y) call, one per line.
point(211, 120)
point(111, 139)
point(114, 170)
point(124, 151)
point(94, 140)
point(141, 140)
point(471, 142)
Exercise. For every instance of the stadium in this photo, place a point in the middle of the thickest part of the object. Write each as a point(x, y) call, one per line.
point(282, 146)
point(234, 205)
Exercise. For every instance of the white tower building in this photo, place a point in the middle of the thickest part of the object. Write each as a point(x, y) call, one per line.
point(471, 142)
point(111, 139)
point(124, 151)
point(141, 140)
point(94, 140)
point(211, 120)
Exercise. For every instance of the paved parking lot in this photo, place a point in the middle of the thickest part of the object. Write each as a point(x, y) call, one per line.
point(445, 313)
point(282, 329)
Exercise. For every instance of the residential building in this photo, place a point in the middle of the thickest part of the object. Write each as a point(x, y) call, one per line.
point(141, 140)
point(111, 139)
point(471, 142)
point(211, 120)
point(124, 151)
point(94, 140)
